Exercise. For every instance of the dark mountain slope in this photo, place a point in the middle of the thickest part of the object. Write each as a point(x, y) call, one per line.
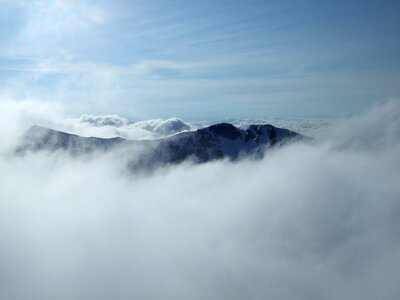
point(206, 144)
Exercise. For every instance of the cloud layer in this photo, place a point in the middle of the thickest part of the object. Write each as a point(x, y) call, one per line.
point(309, 221)
point(114, 125)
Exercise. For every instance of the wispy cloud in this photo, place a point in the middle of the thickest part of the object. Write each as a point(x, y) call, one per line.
point(141, 56)
point(48, 27)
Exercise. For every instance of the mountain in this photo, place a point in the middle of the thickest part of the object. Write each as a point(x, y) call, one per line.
point(214, 142)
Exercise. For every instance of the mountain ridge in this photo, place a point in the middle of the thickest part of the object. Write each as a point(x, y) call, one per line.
point(217, 141)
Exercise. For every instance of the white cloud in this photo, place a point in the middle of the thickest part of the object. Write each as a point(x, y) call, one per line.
point(310, 221)
point(103, 120)
point(50, 28)
point(114, 125)
point(18, 116)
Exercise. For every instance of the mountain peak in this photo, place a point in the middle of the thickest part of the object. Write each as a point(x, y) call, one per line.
point(225, 130)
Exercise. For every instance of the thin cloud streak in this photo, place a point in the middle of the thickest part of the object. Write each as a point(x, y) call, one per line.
point(131, 43)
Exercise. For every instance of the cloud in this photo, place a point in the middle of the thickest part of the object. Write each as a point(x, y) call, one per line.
point(309, 221)
point(114, 125)
point(18, 116)
point(104, 120)
point(63, 16)
point(50, 31)
point(171, 126)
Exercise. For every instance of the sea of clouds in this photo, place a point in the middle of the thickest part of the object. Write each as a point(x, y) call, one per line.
point(310, 221)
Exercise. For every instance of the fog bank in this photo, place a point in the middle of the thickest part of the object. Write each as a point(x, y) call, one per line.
point(309, 221)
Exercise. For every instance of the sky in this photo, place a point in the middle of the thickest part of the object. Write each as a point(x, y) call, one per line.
point(201, 59)
point(314, 219)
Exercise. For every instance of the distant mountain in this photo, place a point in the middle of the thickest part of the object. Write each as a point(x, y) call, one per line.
point(214, 142)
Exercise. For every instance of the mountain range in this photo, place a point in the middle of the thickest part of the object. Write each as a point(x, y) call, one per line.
point(214, 142)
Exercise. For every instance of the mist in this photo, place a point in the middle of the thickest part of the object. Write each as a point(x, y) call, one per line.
point(316, 220)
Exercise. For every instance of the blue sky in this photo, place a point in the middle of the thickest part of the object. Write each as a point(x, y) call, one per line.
point(201, 59)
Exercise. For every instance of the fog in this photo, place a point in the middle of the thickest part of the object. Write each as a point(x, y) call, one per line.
point(316, 220)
